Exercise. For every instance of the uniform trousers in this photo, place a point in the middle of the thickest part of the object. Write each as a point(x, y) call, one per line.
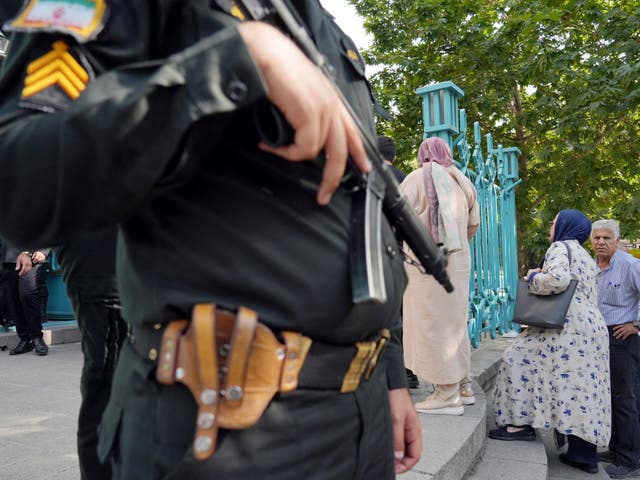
point(102, 333)
point(22, 300)
point(624, 356)
point(148, 431)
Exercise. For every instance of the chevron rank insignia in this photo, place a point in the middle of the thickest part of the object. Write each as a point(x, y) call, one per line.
point(56, 69)
point(83, 19)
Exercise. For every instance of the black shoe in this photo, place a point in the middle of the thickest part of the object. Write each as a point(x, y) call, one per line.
point(607, 457)
point(585, 467)
point(528, 434)
point(621, 471)
point(41, 347)
point(23, 346)
point(559, 439)
point(412, 379)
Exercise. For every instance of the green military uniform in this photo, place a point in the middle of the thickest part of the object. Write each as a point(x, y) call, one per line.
point(166, 145)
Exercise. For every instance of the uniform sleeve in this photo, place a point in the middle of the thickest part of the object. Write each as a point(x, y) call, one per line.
point(555, 275)
point(394, 359)
point(98, 161)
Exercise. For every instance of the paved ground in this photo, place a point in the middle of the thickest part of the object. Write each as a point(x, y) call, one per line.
point(40, 398)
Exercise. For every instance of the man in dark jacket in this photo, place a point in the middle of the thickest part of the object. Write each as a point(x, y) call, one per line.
point(19, 279)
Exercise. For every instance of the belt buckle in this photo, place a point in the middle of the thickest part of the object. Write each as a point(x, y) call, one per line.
point(364, 362)
point(385, 335)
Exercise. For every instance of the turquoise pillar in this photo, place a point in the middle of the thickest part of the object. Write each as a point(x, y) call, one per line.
point(494, 173)
point(440, 110)
point(58, 303)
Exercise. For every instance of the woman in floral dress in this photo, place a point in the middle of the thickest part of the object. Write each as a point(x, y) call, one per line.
point(559, 378)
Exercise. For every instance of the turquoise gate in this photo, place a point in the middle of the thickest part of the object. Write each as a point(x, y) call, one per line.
point(494, 172)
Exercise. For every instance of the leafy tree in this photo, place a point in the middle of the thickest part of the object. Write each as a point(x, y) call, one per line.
point(556, 78)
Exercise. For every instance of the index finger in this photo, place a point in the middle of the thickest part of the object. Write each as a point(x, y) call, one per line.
point(354, 143)
point(343, 141)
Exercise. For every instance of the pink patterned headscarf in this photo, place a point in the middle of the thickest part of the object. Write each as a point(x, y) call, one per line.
point(435, 149)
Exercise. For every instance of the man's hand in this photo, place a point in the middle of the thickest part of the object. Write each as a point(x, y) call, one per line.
point(310, 104)
point(407, 433)
point(622, 332)
point(23, 264)
point(38, 258)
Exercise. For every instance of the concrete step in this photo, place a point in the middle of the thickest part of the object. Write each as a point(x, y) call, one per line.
point(54, 333)
point(450, 444)
point(500, 459)
point(560, 471)
point(511, 460)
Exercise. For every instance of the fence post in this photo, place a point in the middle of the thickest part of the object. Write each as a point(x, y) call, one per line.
point(440, 110)
point(494, 268)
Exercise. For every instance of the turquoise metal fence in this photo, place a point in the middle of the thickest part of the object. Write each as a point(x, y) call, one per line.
point(58, 304)
point(494, 172)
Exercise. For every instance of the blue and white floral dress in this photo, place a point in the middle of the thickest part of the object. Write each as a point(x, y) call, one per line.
point(559, 378)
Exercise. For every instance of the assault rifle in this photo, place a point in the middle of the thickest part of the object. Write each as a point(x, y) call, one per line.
point(380, 185)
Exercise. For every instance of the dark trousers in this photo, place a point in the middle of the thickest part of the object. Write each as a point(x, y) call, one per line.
point(102, 334)
point(148, 431)
point(636, 389)
point(624, 356)
point(22, 300)
point(580, 450)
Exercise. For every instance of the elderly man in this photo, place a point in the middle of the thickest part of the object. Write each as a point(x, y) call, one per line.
point(618, 297)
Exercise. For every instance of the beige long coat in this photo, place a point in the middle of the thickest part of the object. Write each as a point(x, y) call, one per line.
point(435, 337)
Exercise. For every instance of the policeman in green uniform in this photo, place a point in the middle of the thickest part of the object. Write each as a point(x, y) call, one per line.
point(143, 113)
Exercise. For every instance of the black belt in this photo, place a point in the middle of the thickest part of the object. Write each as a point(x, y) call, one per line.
point(324, 368)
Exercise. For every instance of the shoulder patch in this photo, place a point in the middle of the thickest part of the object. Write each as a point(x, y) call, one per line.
point(82, 19)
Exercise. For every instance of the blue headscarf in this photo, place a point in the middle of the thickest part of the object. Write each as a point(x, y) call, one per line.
point(572, 225)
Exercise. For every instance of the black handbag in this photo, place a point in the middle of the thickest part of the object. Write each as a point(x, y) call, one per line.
point(543, 311)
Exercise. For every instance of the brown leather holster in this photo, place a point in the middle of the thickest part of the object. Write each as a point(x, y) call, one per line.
point(232, 364)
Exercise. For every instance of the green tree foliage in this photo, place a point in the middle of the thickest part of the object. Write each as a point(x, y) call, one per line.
point(556, 78)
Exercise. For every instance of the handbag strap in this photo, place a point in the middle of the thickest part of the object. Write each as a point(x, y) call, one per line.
point(566, 245)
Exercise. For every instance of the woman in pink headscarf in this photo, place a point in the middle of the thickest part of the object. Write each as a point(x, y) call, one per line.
point(436, 341)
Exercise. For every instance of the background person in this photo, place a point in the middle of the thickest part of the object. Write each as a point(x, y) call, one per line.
point(19, 275)
point(618, 296)
point(436, 339)
point(88, 267)
point(387, 148)
point(559, 378)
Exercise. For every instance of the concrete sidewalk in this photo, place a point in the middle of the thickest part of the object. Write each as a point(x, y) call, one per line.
point(40, 401)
